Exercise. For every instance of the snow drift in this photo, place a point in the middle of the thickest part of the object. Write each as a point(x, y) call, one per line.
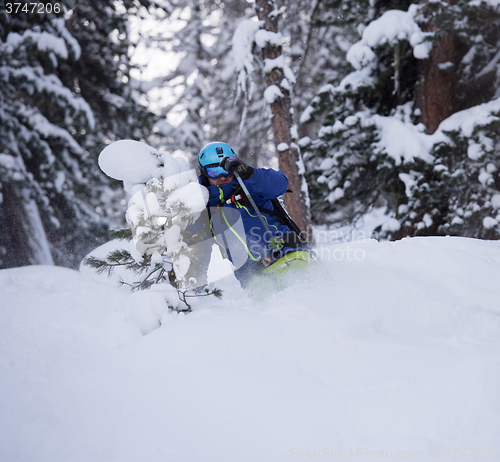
point(394, 351)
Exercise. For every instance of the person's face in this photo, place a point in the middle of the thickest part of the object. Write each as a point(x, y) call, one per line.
point(220, 180)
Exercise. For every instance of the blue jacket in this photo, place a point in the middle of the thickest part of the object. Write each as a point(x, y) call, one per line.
point(238, 228)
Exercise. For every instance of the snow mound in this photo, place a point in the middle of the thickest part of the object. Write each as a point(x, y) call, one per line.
point(394, 348)
point(129, 160)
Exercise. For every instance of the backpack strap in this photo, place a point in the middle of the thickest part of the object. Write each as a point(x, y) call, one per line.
point(279, 212)
point(282, 215)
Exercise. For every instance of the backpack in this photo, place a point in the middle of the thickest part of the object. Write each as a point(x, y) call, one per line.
point(294, 239)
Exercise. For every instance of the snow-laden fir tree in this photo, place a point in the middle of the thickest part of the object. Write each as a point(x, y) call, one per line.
point(196, 96)
point(207, 45)
point(436, 177)
point(55, 205)
point(101, 75)
point(39, 155)
point(165, 199)
point(342, 153)
point(289, 61)
point(458, 191)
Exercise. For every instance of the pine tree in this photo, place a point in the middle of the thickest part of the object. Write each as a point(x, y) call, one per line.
point(434, 184)
point(63, 95)
point(165, 200)
point(209, 100)
point(101, 75)
point(39, 152)
point(346, 174)
point(205, 104)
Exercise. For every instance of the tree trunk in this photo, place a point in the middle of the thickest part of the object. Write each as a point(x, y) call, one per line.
point(288, 154)
point(28, 241)
point(435, 94)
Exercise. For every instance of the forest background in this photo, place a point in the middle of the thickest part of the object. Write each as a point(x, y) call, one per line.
point(389, 104)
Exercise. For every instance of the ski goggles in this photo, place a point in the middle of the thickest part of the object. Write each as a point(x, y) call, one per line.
point(215, 171)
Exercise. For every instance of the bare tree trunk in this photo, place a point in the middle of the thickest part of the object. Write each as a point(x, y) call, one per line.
point(289, 157)
point(435, 94)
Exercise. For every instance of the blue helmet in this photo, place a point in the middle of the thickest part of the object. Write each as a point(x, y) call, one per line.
point(210, 156)
point(212, 153)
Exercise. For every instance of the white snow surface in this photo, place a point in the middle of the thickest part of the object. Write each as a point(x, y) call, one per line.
point(465, 121)
point(391, 27)
point(401, 141)
point(404, 142)
point(280, 63)
point(242, 41)
point(263, 37)
point(129, 160)
point(242, 55)
point(273, 93)
point(388, 348)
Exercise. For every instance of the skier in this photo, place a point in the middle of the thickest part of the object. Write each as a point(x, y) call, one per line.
point(233, 222)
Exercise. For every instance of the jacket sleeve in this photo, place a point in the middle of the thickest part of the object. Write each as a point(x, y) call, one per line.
point(267, 183)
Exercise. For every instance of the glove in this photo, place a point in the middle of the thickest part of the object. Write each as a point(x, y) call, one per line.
point(235, 164)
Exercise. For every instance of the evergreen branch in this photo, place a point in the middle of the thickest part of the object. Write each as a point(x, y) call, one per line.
point(114, 259)
point(161, 276)
point(121, 234)
point(123, 283)
point(215, 292)
point(120, 256)
point(183, 296)
point(99, 265)
point(146, 284)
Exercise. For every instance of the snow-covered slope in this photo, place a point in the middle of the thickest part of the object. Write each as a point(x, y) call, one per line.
point(392, 351)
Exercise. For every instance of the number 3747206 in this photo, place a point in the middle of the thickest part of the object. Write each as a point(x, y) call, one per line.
point(34, 8)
